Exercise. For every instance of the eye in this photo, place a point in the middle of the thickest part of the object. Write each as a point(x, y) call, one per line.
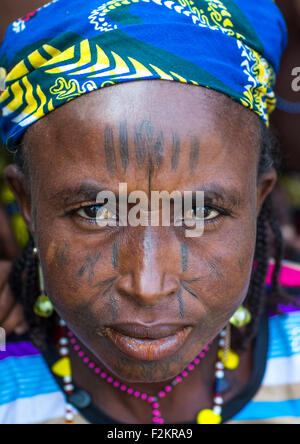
point(209, 213)
point(96, 213)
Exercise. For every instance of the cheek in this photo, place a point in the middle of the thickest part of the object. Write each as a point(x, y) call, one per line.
point(223, 262)
point(75, 275)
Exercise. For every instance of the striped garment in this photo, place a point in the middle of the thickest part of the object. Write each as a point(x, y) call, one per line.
point(29, 393)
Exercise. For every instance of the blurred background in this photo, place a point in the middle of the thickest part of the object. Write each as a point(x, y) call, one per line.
point(285, 121)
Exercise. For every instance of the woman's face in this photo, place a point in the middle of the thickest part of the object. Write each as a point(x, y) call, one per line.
point(152, 136)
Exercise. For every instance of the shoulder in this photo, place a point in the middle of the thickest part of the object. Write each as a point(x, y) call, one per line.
point(283, 365)
point(28, 391)
point(278, 399)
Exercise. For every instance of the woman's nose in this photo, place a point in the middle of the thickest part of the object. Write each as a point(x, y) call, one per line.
point(153, 273)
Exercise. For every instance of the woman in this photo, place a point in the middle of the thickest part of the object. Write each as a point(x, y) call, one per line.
point(144, 311)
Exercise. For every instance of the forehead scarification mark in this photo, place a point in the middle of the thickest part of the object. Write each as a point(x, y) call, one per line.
point(159, 149)
point(175, 151)
point(143, 137)
point(148, 144)
point(194, 154)
point(123, 144)
point(110, 155)
point(150, 173)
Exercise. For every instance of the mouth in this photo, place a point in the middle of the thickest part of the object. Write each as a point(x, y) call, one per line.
point(148, 343)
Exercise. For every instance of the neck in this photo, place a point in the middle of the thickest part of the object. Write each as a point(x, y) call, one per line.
point(192, 394)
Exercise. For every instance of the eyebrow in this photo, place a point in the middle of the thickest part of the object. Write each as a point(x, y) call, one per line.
point(83, 192)
point(216, 192)
point(89, 191)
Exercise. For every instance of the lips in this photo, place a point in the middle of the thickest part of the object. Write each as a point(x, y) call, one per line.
point(148, 343)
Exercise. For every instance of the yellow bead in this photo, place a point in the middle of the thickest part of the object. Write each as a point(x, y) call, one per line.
point(62, 368)
point(241, 317)
point(20, 230)
point(232, 361)
point(208, 417)
point(7, 196)
point(43, 307)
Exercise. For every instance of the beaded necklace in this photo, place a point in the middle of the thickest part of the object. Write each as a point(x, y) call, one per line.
point(62, 368)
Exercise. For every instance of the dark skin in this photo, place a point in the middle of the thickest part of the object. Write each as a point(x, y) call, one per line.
point(139, 134)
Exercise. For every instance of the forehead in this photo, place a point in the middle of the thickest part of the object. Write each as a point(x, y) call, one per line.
point(176, 133)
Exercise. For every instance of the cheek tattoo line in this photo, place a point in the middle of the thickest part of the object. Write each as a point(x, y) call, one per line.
point(108, 281)
point(184, 256)
point(189, 290)
point(110, 155)
point(113, 306)
point(115, 253)
point(194, 154)
point(123, 145)
point(213, 267)
point(175, 152)
point(89, 266)
point(180, 303)
point(62, 254)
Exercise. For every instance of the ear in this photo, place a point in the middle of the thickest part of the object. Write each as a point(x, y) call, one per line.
point(20, 187)
point(266, 183)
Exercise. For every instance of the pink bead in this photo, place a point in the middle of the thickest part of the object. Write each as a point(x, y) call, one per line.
point(162, 394)
point(150, 399)
point(76, 348)
point(160, 421)
point(73, 341)
point(196, 361)
point(178, 378)
point(123, 387)
point(91, 365)
point(86, 360)
point(110, 379)
point(191, 367)
point(116, 384)
point(70, 334)
point(184, 373)
point(81, 354)
point(137, 394)
point(97, 371)
point(156, 420)
point(103, 375)
point(156, 413)
point(155, 405)
point(144, 396)
point(206, 348)
point(201, 355)
point(168, 388)
point(130, 391)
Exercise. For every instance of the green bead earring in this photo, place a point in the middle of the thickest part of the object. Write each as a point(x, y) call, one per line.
point(43, 306)
point(241, 317)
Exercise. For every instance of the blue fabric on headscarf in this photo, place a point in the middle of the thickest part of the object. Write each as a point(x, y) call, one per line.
point(71, 47)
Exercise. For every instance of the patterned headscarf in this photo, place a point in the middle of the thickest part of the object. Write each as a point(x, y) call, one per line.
point(71, 47)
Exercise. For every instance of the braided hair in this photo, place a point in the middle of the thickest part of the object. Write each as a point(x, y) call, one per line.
point(24, 279)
